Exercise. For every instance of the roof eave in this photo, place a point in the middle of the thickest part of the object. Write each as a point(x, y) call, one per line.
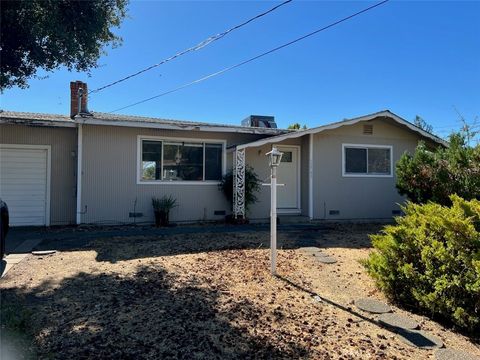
point(36, 122)
point(180, 126)
point(385, 113)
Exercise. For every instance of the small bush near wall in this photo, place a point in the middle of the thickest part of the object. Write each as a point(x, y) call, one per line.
point(430, 261)
point(252, 186)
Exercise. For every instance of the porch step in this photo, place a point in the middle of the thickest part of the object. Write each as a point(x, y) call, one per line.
point(293, 219)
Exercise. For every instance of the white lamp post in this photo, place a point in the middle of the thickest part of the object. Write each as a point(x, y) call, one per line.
point(275, 157)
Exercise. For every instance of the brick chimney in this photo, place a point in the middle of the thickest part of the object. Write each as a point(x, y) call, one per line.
point(74, 87)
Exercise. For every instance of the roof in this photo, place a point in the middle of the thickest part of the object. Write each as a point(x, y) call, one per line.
point(36, 118)
point(129, 121)
point(335, 125)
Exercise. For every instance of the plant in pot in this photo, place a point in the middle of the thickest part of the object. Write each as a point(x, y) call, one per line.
point(161, 209)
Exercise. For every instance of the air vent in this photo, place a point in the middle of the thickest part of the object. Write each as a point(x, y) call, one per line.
point(219, 212)
point(135, 214)
point(334, 212)
point(368, 129)
point(396, 212)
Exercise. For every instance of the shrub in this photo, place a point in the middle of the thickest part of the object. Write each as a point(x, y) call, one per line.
point(252, 185)
point(430, 261)
point(435, 175)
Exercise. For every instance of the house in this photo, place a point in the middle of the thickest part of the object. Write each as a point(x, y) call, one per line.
point(104, 169)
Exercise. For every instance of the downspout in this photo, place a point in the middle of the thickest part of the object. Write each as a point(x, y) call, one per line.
point(310, 177)
point(79, 173)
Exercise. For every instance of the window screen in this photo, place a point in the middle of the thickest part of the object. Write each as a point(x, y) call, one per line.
point(355, 160)
point(367, 160)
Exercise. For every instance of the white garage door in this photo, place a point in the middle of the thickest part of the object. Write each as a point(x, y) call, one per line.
point(24, 184)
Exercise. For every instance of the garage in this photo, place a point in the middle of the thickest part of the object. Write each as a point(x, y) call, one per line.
point(25, 183)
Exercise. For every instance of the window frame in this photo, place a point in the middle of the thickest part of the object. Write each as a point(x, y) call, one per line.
point(163, 139)
point(366, 146)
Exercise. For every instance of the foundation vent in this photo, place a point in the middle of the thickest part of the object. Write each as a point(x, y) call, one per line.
point(368, 129)
point(334, 212)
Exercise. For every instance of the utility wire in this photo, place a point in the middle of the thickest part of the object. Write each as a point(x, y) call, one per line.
point(253, 58)
point(199, 46)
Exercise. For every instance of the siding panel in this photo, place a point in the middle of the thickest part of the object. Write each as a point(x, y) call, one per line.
point(109, 184)
point(63, 142)
point(356, 197)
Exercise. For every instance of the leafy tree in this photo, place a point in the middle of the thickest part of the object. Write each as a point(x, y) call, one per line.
point(252, 185)
point(297, 126)
point(435, 175)
point(422, 124)
point(48, 34)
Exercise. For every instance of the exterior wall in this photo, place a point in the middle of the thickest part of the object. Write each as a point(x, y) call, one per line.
point(356, 197)
point(63, 142)
point(109, 183)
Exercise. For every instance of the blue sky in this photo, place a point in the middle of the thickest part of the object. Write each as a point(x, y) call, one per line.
point(414, 58)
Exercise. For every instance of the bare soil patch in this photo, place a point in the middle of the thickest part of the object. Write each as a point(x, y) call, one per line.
point(210, 296)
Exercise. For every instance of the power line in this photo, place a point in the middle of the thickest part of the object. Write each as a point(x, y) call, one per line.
point(199, 46)
point(253, 58)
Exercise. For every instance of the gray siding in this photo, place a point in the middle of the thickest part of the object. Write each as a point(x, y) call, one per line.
point(109, 183)
point(63, 142)
point(356, 197)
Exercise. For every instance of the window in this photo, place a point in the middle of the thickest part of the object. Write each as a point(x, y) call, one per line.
point(287, 156)
point(367, 160)
point(164, 160)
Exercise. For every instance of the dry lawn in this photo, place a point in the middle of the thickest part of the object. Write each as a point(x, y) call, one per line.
point(209, 296)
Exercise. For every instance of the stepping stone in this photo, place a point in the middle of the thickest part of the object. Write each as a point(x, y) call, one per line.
point(372, 306)
point(325, 259)
point(310, 249)
point(44, 252)
point(419, 339)
point(319, 254)
point(397, 321)
point(451, 354)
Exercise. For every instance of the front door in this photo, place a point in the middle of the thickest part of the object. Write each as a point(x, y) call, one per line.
point(288, 173)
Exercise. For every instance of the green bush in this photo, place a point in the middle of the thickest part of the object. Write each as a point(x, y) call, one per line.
point(430, 261)
point(252, 185)
point(436, 174)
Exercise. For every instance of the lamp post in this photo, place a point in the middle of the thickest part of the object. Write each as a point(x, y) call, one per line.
point(275, 157)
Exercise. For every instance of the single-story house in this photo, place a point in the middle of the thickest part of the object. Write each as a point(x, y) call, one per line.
point(104, 168)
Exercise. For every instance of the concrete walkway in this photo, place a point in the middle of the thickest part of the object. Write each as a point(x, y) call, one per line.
point(20, 252)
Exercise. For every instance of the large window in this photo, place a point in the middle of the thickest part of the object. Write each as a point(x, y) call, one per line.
point(367, 160)
point(165, 160)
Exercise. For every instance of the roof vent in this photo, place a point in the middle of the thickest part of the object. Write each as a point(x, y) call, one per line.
point(368, 129)
point(259, 121)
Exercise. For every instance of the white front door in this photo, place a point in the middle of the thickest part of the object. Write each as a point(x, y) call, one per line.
point(288, 173)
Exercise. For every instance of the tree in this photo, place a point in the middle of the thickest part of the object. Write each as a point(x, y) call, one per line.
point(47, 34)
point(435, 175)
point(422, 124)
point(297, 126)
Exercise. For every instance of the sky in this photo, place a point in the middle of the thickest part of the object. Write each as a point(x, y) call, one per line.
point(411, 57)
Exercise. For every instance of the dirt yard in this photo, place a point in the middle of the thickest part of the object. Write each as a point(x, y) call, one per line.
point(210, 296)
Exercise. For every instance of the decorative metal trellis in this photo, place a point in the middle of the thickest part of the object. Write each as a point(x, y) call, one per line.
point(239, 184)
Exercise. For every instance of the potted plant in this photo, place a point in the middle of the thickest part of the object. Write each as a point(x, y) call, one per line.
point(161, 209)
